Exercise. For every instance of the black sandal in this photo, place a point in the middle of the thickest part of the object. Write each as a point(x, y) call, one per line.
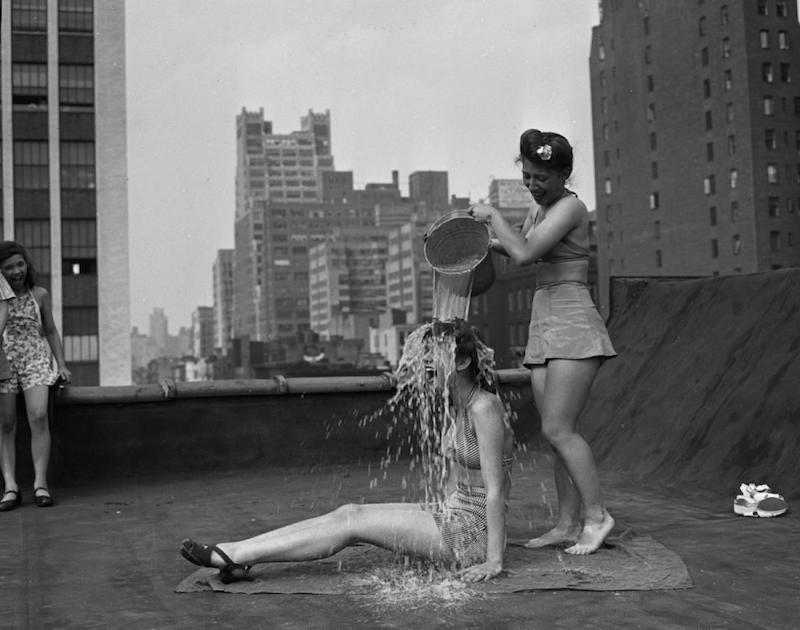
point(200, 554)
point(42, 500)
point(7, 505)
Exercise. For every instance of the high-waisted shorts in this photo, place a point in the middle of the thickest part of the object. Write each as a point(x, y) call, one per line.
point(462, 522)
point(565, 324)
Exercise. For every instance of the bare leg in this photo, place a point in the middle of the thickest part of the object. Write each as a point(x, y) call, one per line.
point(566, 391)
point(568, 526)
point(8, 434)
point(36, 405)
point(403, 527)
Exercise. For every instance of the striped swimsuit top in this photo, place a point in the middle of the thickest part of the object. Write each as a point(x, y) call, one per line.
point(462, 446)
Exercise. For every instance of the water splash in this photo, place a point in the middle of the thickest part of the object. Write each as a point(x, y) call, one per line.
point(412, 588)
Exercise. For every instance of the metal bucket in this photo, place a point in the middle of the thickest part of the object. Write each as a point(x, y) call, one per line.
point(456, 244)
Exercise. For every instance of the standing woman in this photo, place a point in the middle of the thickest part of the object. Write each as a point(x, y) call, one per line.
point(567, 338)
point(31, 343)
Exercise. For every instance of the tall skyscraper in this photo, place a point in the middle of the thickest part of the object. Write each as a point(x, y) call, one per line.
point(696, 116)
point(271, 169)
point(223, 299)
point(64, 170)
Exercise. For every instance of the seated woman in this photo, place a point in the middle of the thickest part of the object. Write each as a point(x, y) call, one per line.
point(466, 529)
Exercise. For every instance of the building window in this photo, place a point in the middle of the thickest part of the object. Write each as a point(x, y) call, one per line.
point(773, 206)
point(706, 88)
point(775, 241)
point(608, 186)
point(763, 38)
point(77, 165)
point(762, 7)
point(728, 80)
point(712, 215)
point(601, 52)
point(651, 112)
point(786, 76)
point(734, 176)
point(654, 170)
point(75, 16)
point(653, 142)
point(709, 185)
point(30, 15)
point(736, 244)
point(76, 85)
point(654, 200)
point(766, 72)
point(726, 47)
point(650, 83)
point(729, 113)
point(29, 84)
point(709, 151)
point(647, 55)
point(781, 9)
point(783, 40)
point(659, 261)
point(605, 131)
point(31, 170)
point(771, 139)
point(769, 106)
point(709, 121)
point(80, 348)
point(702, 26)
point(734, 211)
point(731, 145)
point(704, 56)
point(602, 78)
point(714, 248)
point(772, 174)
point(723, 14)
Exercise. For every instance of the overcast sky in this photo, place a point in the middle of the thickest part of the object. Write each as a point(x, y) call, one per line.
point(410, 85)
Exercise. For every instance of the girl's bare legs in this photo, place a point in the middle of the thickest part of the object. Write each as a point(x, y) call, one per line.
point(403, 527)
point(36, 405)
point(8, 434)
point(568, 526)
point(566, 389)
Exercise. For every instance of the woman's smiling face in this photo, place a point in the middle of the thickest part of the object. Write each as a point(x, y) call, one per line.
point(14, 269)
point(545, 185)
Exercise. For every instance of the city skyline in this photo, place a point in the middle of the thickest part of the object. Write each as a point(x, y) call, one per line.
point(438, 98)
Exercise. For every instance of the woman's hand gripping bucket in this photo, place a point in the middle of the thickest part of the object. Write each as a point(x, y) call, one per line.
point(456, 244)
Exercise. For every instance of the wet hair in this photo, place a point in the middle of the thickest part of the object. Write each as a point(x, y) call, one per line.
point(530, 148)
point(466, 338)
point(9, 249)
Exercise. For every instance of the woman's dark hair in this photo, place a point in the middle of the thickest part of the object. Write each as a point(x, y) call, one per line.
point(10, 248)
point(546, 148)
point(466, 338)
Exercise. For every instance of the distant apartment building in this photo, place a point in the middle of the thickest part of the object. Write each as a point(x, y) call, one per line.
point(222, 276)
point(429, 189)
point(510, 197)
point(409, 277)
point(203, 332)
point(63, 190)
point(271, 168)
point(696, 119)
point(347, 283)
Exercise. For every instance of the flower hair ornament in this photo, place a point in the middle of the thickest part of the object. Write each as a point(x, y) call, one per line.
point(545, 152)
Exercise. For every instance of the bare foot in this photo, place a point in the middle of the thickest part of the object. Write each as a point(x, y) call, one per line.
point(592, 536)
point(556, 536)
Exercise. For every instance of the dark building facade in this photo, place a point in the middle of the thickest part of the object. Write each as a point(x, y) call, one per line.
point(696, 119)
point(64, 171)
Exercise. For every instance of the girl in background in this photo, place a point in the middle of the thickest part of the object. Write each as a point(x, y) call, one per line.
point(31, 343)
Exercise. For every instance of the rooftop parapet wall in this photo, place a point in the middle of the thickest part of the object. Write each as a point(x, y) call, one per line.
point(706, 387)
point(181, 427)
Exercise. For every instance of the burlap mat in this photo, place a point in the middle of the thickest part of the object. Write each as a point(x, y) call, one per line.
point(626, 562)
